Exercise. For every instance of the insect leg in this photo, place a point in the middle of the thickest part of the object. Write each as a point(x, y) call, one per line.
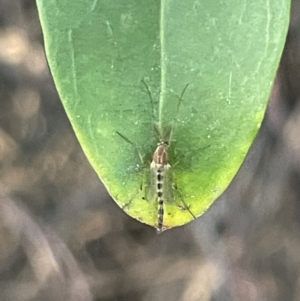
point(185, 206)
point(134, 145)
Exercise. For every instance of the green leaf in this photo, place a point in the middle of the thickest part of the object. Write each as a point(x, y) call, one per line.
point(228, 53)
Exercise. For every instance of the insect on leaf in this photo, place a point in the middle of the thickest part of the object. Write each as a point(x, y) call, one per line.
point(227, 52)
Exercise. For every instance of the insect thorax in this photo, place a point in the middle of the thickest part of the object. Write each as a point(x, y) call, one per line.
point(160, 157)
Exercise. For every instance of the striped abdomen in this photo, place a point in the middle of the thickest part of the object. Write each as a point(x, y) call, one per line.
point(160, 164)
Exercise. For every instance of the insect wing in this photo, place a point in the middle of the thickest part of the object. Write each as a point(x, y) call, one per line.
point(151, 187)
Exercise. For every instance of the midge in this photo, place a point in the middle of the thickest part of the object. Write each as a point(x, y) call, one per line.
point(160, 187)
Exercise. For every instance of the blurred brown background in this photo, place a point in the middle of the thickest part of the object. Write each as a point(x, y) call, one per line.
point(63, 238)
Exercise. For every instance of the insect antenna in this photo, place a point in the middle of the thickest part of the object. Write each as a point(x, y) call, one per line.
point(176, 114)
point(151, 99)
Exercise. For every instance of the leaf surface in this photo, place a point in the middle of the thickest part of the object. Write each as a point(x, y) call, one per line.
point(228, 53)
